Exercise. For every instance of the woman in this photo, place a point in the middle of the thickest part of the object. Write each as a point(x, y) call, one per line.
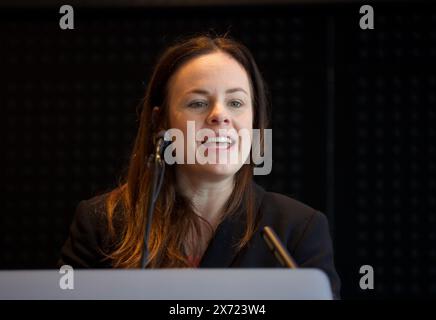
point(206, 215)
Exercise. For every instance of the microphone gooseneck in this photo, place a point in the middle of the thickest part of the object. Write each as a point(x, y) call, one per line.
point(156, 165)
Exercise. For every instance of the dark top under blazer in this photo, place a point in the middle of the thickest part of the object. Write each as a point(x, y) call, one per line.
point(304, 230)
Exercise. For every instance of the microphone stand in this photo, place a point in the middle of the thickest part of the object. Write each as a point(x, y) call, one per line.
point(156, 165)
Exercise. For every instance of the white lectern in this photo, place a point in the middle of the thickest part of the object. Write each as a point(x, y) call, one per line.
point(167, 284)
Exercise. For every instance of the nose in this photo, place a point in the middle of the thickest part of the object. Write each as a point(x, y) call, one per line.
point(218, 115)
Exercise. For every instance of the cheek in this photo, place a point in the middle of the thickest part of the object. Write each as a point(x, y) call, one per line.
point(245, 120)
point(189, 127)
point(173, 119)
point(179, 119)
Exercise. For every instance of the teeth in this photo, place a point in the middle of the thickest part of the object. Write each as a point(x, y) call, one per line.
point(219, 140)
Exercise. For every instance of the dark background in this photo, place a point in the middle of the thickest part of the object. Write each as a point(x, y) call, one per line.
point(353, 119)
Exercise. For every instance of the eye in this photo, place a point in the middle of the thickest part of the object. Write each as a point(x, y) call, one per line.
point(236, 103)
point(197, 104)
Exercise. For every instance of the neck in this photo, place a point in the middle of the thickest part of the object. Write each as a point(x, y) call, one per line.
point(208, 196)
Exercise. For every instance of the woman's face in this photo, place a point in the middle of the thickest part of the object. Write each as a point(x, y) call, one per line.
point(213, 91)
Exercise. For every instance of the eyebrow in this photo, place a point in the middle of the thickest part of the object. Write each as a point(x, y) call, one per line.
point(202, 91)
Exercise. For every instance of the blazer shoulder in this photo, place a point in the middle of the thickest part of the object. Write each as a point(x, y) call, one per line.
point(87, 239)
point(96, 204)
point(305, 231)
point(286, 208)
point(292, 218)
point(91, 213)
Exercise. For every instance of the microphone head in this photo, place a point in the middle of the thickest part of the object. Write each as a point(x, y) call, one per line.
point(163, 134)
point(162, 141)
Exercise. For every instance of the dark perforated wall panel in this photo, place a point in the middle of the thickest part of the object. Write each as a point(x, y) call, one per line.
point(353, 122)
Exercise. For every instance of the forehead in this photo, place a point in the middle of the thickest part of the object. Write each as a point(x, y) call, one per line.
point(212, 71)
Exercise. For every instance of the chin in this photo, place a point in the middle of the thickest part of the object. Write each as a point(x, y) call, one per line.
point(220, 170)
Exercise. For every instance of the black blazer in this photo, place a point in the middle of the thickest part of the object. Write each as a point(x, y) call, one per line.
point(304, 230)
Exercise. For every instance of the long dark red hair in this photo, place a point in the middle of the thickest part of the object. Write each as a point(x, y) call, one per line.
point(174, 214)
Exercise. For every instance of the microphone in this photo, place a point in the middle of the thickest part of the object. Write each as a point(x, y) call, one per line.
point(162, 141)
point(275, 245)
point(156, 164)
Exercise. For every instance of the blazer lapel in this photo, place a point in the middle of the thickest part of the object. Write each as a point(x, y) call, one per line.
point(222, 248)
